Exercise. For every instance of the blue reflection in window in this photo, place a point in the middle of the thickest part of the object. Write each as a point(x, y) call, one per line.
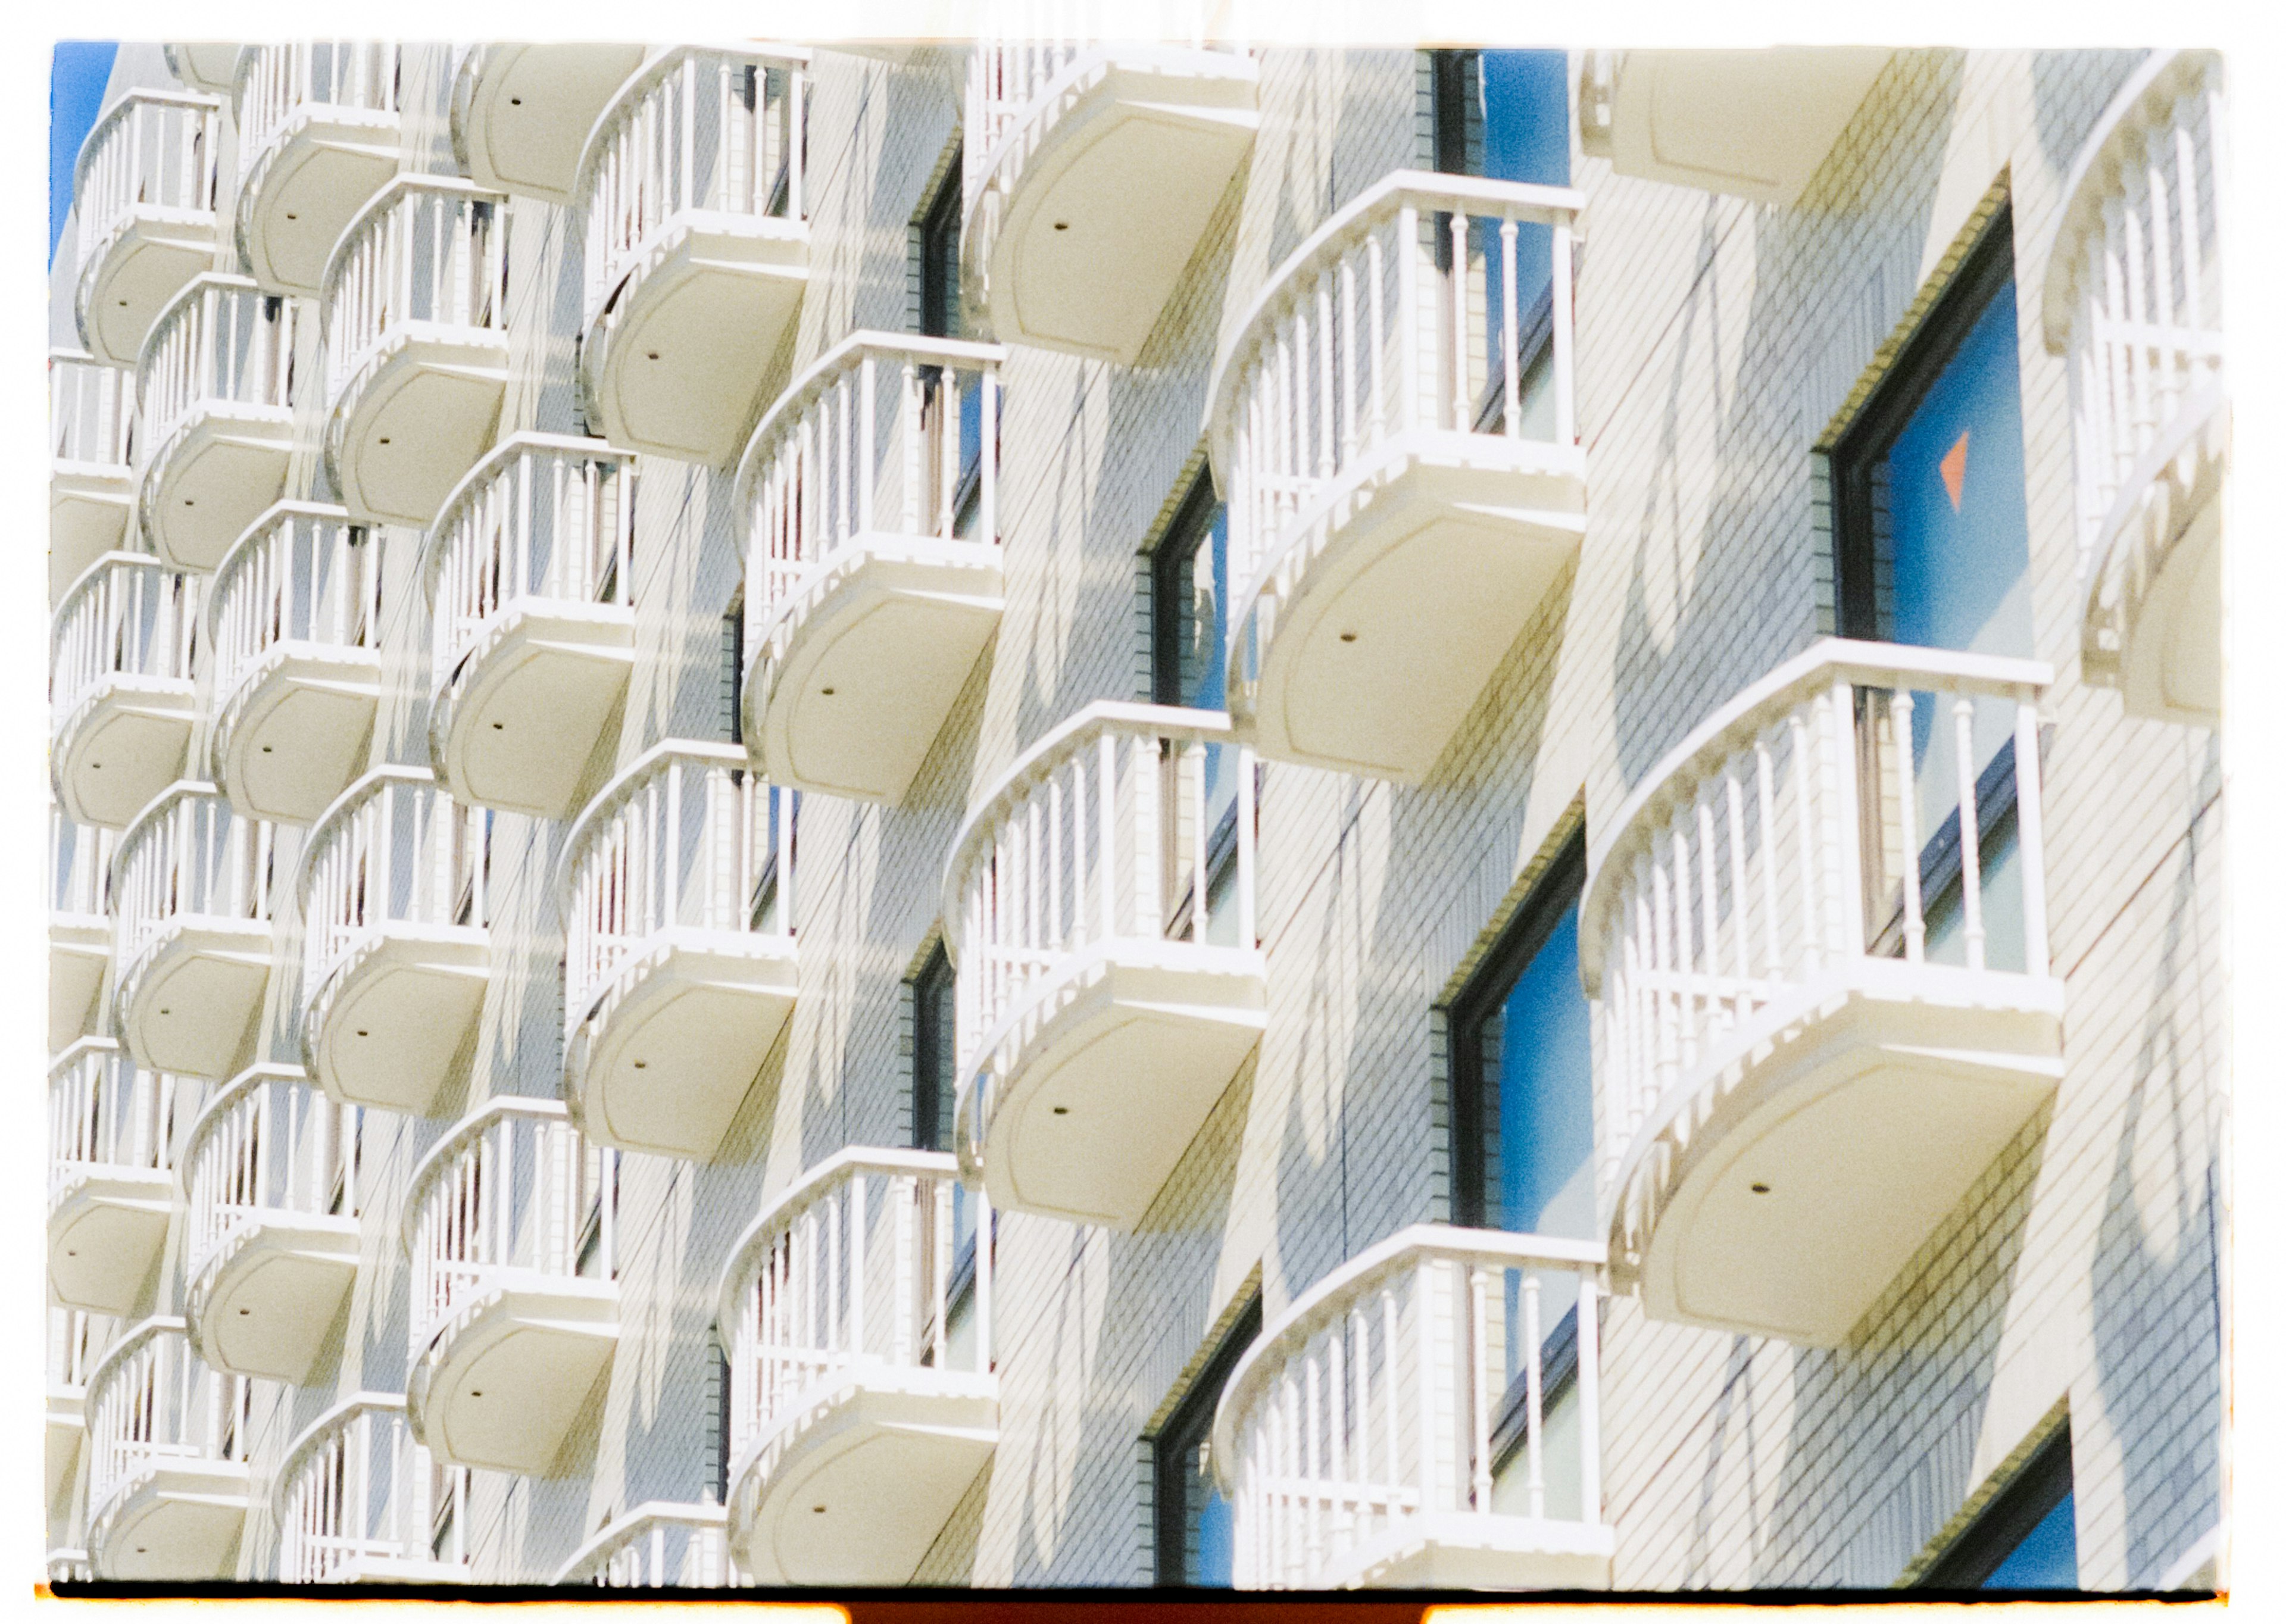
point(1526, 129)
point(1546, 1126)
point(2047, 1559)
point(1208, 689)
point(1213, 1540)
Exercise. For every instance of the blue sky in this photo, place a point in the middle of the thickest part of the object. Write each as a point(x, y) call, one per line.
point(74, 95)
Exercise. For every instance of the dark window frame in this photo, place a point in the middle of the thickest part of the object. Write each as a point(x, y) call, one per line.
point(1178, 548)
point(1185, 1428)
point(2042, 1484)
point(1454, 75)
point(938, 236)
point(933, 979)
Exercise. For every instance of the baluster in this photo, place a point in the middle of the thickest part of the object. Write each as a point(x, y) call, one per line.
point(1972, 897)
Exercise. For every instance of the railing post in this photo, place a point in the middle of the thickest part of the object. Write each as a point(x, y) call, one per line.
point(2031, 840)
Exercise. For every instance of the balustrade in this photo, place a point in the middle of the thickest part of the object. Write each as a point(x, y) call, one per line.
point(319, 134)
point(143, 193)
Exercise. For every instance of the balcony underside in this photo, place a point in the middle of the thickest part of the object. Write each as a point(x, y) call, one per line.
point(502, 1382)
point(106, 1233)
point(222, 470)
point(670, 1051)
point(196, 995)
point(1755, 124)
point(1780, 1191)
point(855, 1487)
point(153, 257)
point(124, 745)
point(1431, 558)
point(531, 108)
point(320, 170)
point(79, 952)
point(676, 368)
point(1108, 1071)
point(1462, 1550)
point(527, 708)
point(211, 66)
point(294, 733)
point(392, 1025)
point(265, 1303)
point(853, 681)
point(1107, 208)
point(176, 1519)
point(2160, 568)
point(66, 1430)
point(418, 416)
point(89, 505)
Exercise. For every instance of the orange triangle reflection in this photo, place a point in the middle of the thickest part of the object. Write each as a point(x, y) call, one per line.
point(1955, 468)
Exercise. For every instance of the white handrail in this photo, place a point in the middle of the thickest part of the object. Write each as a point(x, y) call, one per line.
point(269, 1142)
point(90, 412)
point(221, 341)
point(104, 1111)
point(188, 855)
point(150, 1399)
point(355, 1485)
point(657, 1544)
point(302, 573)
point(276, 81)
point(426, 252)
point(152, 152)
point(128, 615)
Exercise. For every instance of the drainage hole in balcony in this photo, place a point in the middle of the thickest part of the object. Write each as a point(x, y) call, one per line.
point(1761, 1189)
point(516, 101)
point(293, 217)
point(1348, 636)
point(827, 692)
point(243, 1312)
point(476, 1393)
point(265, 749)
point(817, 1510)
point(500, 727)
point(1063, 226)
point(651, 354)
point(640, 1065)
point(385, 439)
point(1063, 1110)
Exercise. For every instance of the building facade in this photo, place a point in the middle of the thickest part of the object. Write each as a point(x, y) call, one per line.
point(1038, 813)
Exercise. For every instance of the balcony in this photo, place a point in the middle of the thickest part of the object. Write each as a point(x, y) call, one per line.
point(521, 113)
point(1817, 940)
point(416, 346)
point(530, 571)
point(1098, 1020)
point(678, 948)
point(75, 1341)
point(690, 200)
point(508, 1226)
point(210, 66)
point(1755, 124)
point(90, 486)
point(2133, 303)
point(167, 1440)
point(144, 194)
point(111, 1190)
point(123, 700)
point(857, 1419)
point(658, 1545)
point(217, 430)
point(1397, 448)
point(79, 928)
point(396, 953)
point(872, 559)
point(358, 1501)
point(191, 889)
point(1427, 1415)
point(1091, 173)
point(270, 1196)
point(318, 135)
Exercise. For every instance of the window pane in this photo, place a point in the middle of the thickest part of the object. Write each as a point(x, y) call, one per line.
point(1546, 1127)
point(1207, 1540)
point(2048, 1559)
point(1527, 105)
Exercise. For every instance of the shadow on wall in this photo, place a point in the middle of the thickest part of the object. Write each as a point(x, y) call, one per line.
point(2062, 107)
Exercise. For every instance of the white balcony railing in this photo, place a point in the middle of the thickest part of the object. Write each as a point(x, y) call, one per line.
point(105, 1114)
point(268, 1145)
point(280, 81)
point(307, 576)
point(76, 1340)
point(657, 1545)
point(223, 342)
point(129, 618)
point(428, 253)
point(359, 1498)
point(91, 445)
point(319, 133)
point(151, 1405)
point(1005, 76)
point(188, 856)
point(1429, 1414)
point(144, 191)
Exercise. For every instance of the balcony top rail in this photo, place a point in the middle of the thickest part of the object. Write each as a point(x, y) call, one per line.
point(222, 340)
point(852, 1266)
point(355, 1485)
point(151, 1398)
point(657, 1544)
point(269, 1142)
point(188, 855)
point(684, 839)
point(302, 573)
point(1745, 867)
point(152, 152)
point(698, 131)
point(513, 1192)
point(428, 252)
point(276, 81)
point(543, 516)
point(392, 852)
point(104, 1110)
point(1379, 1395)
point(79, 867)
point(128, 615)
point(90, 411)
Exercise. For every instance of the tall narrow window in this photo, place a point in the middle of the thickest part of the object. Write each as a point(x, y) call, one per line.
point(2026, 1539)
point(734, 667)
point(1190, 591)
point(934, 1102)
point(936, 251)
point(1191, 1521)
point(939, 233)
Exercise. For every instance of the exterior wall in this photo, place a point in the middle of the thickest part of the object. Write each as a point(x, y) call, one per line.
point(1717, 342)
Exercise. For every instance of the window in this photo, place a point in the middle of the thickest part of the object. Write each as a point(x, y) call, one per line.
point(1191, 1521)
point(936, 255)
point(764, 913)
point(2026, 1539)
point(595, 1258)
point(717, 1437)
point(934, 1101)
point(1190, 593)
point(938, 234)
point(734, 667)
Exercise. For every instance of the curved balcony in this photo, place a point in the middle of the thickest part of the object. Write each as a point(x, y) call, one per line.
point(395, 954)
point(856, 1424)
point(191, 888)
point(269, 1181)
point(1091, 173)
point(143, 193)
point(521, 113)
point(676, 980)
point(1097, 1022)
point(167, 1440)
point(1755, 124)
point(691, 201)
point(1427, 1415)
point(868, 496)
point(111, 1191)
point(416, 345)
point(1817, 939)
point(530, 571)
point(509, 1224)
point(217, 430)
point(79, 927)
point(2133, 303)
point(358, 1501)
point(319, 133)
point(91, 486)
point(659, 1545)
point(210, 66)
point(1397, 448)
point(293, 619)
point(75, 1341)
point(123, 700)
